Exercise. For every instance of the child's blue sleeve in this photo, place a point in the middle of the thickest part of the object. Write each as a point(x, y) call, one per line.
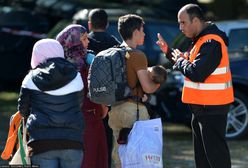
point(89, 58)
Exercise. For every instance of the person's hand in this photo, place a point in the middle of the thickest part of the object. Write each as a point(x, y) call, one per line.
point(105, 110)
point(162, 43)
point(144, 98)
point(176, 55)
point(186, 55)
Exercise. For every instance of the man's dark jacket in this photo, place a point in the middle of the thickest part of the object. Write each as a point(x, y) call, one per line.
point(207, 60)
point(100, 41)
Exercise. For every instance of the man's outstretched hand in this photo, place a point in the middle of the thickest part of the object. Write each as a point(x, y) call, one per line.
point(162, 43)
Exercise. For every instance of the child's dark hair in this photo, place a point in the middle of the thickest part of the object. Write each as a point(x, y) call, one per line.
point(160, 74)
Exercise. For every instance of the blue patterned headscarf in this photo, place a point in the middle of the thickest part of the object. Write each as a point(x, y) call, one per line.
point(74, 50)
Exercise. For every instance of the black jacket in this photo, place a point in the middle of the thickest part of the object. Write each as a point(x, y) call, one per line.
point(207, 60)
point(100, 41)
point(50, 98)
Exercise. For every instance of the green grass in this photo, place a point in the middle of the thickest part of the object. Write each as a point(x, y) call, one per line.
point(8, 106)
point(8, 103)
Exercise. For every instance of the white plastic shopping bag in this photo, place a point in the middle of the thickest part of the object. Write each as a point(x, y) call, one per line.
point(20, 157)
point(144, 147)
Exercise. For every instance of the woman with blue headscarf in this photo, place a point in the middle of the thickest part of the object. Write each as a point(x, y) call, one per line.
point(75, 42)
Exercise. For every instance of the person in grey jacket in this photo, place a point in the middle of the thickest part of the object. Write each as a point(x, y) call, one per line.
point(50, 100)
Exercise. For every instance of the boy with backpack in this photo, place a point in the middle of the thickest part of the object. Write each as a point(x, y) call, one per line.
point(123, 114)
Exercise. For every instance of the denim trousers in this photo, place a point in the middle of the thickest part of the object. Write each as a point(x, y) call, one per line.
point(123, 116)
point(66, 158)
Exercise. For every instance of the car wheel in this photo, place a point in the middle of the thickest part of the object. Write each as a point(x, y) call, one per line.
point(237, 120)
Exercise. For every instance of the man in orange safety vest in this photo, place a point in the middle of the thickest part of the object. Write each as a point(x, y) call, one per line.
point(207, 86)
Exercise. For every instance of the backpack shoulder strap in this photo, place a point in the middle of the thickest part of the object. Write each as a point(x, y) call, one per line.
point(127, 48)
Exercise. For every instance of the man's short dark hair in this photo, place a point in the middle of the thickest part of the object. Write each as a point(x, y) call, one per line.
point(98, 18)
point(193, 10)
point(127, 24)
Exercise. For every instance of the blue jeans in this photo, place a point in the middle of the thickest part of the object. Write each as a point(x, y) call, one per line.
point(67, 158)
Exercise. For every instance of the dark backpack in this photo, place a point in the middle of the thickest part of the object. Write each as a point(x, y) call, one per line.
point(107, 78)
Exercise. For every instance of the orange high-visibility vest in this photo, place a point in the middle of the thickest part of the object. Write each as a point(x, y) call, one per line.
point(12, 136)
point(217, 88)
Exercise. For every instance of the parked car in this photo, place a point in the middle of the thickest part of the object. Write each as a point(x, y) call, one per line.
point(169, 96)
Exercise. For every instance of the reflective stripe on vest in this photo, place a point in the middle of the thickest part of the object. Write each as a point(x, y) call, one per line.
point(217, 88)
point(208, 86)
point(222, 70)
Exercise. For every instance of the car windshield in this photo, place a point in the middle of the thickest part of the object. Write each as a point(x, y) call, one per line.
point(238, 40)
